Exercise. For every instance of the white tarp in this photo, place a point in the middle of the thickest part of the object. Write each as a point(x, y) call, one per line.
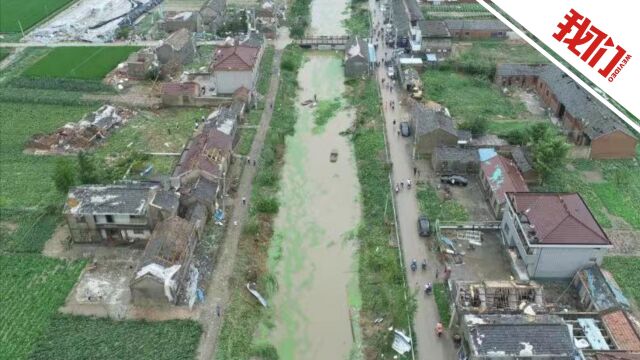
point(163, 274)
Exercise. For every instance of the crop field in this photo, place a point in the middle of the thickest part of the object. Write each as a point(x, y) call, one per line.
point(79, 337)
point(33, 287)
point(26, 13)
point(87, 63)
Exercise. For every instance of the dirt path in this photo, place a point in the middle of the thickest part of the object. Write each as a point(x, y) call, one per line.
point(218, 291)
point(426, 316)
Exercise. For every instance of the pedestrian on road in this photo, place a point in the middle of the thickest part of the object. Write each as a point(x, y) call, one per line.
point(218, 310)
point(415, 169)
point(244, 200)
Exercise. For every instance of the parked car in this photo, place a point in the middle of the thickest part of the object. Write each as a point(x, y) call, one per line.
point(405, 129)
point(391, 72)
point(454, 180)
point(423, 226)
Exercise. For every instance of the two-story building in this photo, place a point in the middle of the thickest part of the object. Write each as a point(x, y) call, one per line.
point(124, 212)
point(551, 235)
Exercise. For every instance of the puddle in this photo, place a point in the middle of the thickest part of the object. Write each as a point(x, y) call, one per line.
point(312, 254)
point(327, 17)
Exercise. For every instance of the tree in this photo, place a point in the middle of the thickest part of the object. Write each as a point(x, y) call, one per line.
point(478, 125)
point(64, 175)
point(87, 171)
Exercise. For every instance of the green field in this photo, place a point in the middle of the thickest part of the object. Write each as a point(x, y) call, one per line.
point(87, 63)
point(626, 271)
point(27, 12)
point(78, 337)
point(33, 287)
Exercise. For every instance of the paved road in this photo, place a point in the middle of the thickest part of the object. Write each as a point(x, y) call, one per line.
point(218, 291)
point(145, 43)
point(429, 346)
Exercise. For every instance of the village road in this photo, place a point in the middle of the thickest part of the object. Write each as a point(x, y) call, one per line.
point(218, 291)
point(428, 346)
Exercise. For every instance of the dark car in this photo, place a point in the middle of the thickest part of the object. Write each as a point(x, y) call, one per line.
point(454, 180)
point(405, 129)
point(423, 226)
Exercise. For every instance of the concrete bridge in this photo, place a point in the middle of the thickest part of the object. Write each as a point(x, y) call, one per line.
point(323, 42)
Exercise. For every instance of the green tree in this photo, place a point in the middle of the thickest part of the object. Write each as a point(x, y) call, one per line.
point(87, 171)
point(478, 125)
point(64, 175)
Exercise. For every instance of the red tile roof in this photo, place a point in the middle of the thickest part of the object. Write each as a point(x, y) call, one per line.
point(622, 330)
point(560, 218)
point(187, 88)
point(503, 176)
point(239, 57)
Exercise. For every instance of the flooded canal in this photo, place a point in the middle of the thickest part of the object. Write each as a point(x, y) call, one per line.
point(312, 254)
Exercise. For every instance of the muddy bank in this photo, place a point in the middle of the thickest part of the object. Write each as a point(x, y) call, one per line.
point(311, 254)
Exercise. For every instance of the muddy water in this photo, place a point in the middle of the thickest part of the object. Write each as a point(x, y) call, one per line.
point(327, 17)
point(312, 255)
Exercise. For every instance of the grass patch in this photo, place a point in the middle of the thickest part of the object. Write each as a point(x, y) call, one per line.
point(87, 63)
point(324, 111)
point(26, 180)
point(626, 272)
point(27, 13)
point(33, 287)
point(441, 296)
point(434, 208)
point(68, 337)
point(266, 67)
point(244, 313)
point(381, 278)
point(468, 97)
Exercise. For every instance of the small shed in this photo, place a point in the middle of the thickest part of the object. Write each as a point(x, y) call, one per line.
point(455, 160)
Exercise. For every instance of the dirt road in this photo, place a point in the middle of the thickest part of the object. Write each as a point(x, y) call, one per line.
point(428, 345)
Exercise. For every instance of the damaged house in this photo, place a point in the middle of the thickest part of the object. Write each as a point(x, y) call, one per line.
point(584, 119)
point(542, 228)
point(118, 213)
point(516, 337)
point(165, 268)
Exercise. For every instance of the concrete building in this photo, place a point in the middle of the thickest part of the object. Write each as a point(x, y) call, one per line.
point(477, 29)
point(551, 235)
point(177, 49)
point(174, 21)
point(517, 337)
point(585, 120)
point(498, 176)
point(455, 160)
point(180, 94)
point(432, 129)
point(164, 271)
point(236, 66)
point(356, 59)
point(118, 213)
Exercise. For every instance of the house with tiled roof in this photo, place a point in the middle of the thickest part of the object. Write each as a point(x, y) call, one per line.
point(498, 176)
point(551, 235)
point(236, 66)
point(584, 119)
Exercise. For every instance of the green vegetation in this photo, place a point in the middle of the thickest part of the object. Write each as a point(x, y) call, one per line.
point(469, 97)
point(324, 111)
point(358, 24)
point(68, 338)
point(27, 13)
point(266, 65)
point(382, 281)
point(434, 208)
point(243, 313)
point(299, 14)
point(441, 295)
point(626, 272)
point(87, 63)
point(33, 287)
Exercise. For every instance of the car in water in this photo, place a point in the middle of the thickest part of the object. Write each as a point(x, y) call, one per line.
point(455, 180)
point(423, 226)
point(405, 129)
